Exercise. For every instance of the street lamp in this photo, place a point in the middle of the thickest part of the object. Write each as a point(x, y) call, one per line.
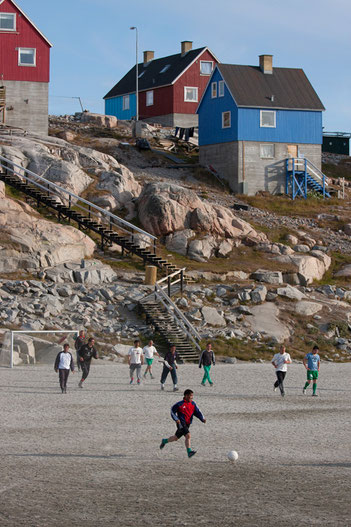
point(136, 73)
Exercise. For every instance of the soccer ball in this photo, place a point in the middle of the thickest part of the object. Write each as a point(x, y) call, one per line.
point(232, 455)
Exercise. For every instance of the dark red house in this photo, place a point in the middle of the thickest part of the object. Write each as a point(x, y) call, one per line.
point(24, 70)
point(170, 88)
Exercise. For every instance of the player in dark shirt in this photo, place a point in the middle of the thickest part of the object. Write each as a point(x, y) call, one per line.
point(182, 413)
point(170, 365)
point(86, 353)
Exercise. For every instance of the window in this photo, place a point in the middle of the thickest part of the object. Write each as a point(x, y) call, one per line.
point(266, 151)
point(149, 98)
point(8, 21)
point(226, 119)
point(190, 94)
point(206, 67)
point(165, 68)
point(26, 56)
point(214, 90)
point(220, 88)
point(125, 102)
point(267, 119)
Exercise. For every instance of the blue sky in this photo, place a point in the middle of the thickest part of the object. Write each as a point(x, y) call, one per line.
point(94, 48)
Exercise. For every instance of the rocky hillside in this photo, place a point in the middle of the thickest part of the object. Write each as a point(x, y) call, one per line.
point(267, 269)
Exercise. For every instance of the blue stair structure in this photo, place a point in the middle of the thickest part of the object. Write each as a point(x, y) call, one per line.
point(303, 176)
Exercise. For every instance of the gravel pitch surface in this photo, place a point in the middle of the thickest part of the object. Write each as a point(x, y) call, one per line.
point(92, 458)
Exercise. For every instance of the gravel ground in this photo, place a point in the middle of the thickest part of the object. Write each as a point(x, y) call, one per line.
point(92, 457)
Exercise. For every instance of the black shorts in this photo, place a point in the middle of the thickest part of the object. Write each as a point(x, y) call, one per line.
point(182, 430)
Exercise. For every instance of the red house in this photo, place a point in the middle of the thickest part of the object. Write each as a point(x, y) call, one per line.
point(170, 88)
point(24, 70)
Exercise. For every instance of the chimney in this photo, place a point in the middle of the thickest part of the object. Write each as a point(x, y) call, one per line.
point(266, 63)
point(186, 45)
point(148, 56)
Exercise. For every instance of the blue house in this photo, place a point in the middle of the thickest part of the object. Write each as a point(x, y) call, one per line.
point(253, 118)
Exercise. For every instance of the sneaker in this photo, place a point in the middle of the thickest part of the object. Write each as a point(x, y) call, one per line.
point(283, 394)
point(162, 387)
point(211, 384)
point(314, 395)
point(138, 381)
point(152, 377)
point(163, 444)
point(175, 389)
point(131, 381)
point(202, 384)
point(62, 390)
point(144, 375)
point(274, 389)
point(191, 453)
point(304, 391)
point(80, 384)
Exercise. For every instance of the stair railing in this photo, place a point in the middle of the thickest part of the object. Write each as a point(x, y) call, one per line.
point(177, 315)
point(61, 194)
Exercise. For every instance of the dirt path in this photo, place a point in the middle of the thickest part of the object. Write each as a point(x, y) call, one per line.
point(91, 457)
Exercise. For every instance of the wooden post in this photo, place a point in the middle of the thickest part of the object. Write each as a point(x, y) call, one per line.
point(150, 275)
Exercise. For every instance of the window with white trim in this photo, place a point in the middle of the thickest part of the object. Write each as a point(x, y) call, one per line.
point(220, 88)
point(267, 151)
point(126, 103)
point(213, 90)
point(7, 21)
point(226, 119)
point(27, 56)
point(150, 98)
point(190, 94)
point(267, 119)
point(206, 67)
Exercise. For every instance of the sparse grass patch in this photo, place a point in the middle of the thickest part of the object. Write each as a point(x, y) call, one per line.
point(338, 261)
point(239, 349)
point(285, 206)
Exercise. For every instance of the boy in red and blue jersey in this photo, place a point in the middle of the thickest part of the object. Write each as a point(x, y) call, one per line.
point(182, 413)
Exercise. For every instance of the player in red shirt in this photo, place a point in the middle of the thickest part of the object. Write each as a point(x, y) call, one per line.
point(183, 413)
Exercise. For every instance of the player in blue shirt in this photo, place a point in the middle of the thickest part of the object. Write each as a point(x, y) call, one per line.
point(312, 363)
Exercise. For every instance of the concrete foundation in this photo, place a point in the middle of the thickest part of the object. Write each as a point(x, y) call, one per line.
point(27, 105)
point(182, 120)
point(241, 165)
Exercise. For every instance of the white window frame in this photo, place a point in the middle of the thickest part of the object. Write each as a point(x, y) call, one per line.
point(213, 90)
point(265, 145)
point(25, 63)
point(191, 88)
point(206, 62)
point(14, 22)
point(220, 88)
point(268, 125)
point(126, 102)
point(150, 98)
point(230, 119)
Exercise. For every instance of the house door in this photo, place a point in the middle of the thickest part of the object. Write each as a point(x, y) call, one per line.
point(293, 150)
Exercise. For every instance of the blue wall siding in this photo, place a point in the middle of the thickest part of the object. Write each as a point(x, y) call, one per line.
point(210, 116)
point(115, 107)
point(292, 126)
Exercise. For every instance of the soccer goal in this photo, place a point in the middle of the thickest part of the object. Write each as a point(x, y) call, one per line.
point(20, 347)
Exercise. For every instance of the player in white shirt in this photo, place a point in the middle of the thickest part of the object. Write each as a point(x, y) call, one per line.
point(280, 362)
point(135, 361)
point(63, 364)
point(149, 352)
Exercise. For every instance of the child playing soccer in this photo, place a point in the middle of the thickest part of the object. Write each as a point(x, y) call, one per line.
point(183, 413)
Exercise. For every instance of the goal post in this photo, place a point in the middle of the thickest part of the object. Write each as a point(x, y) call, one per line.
point(7, 350)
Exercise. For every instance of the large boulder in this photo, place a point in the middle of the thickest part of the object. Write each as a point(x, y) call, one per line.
point(309, 267)
point(120, 183)
point(165, 208)
point(107, 121)
point(212, 317)
point(265, 320)
point(31, 243)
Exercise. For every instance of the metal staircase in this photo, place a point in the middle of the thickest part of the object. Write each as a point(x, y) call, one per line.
point(89, 217)
point(303, 176)
point(168, 320)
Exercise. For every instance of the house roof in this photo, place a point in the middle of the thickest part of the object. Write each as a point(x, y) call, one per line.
point(250, 87)
point(29, 20)
point(150, 76)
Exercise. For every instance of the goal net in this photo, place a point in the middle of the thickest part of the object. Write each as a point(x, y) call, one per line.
point(18, 348)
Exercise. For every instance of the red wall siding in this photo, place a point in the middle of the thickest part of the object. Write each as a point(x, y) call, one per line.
point(163, 103)
point(25, 36)
point(191, 78)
